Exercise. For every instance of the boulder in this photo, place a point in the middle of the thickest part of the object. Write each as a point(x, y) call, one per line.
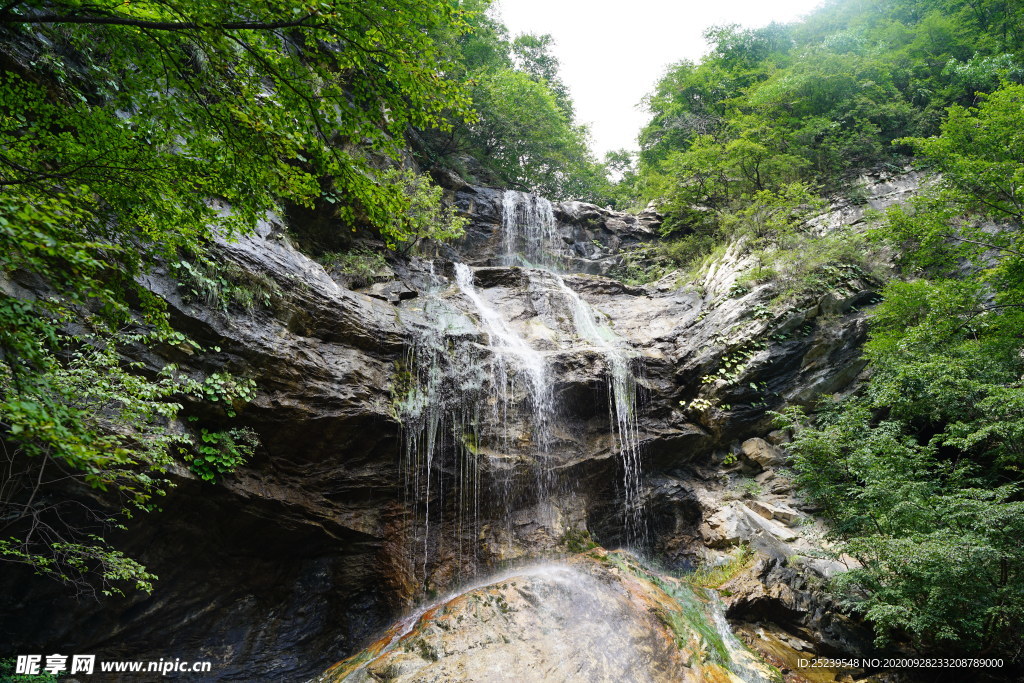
point(763, 453)
point(778, 511)
point(590, 619)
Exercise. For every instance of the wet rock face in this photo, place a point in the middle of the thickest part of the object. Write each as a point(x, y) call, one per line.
point(559, 624)
point(298, 558)
point(591, 238)
point(772, 591)
point(288, 556)
point(583, 620)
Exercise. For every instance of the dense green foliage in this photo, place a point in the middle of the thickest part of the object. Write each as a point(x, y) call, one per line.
point(523, 134)
point(921, 474)
point(204, 111)
point(816, 100)
point(7, 675)
point(77, 416)
point(937, 539)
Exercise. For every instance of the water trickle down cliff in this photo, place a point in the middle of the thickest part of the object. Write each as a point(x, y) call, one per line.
point(529, 233)
point(528, 223)
point(328, 536)
point(479, 406)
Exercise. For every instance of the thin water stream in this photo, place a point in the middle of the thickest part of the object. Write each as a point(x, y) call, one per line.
point(515, 358)
point(622, 399)
point(531, 237)
point(457, 384)
point(441, 413)
point(529, 231)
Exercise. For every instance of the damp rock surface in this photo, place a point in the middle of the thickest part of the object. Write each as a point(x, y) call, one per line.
point(595, 617)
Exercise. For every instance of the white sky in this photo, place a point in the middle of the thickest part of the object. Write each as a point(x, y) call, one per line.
point(613, 52)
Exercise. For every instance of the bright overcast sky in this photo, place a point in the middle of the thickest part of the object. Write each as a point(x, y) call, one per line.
point(613, 52)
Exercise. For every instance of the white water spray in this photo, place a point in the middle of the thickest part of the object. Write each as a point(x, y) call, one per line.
point(531, 238)
point(515, 360)
point(529, 231)
point(622, 398)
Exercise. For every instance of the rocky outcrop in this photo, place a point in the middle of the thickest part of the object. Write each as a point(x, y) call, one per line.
point(593, 617)
point(298, 558)
point(876, 190)
point(592, 239)
point(287, 556)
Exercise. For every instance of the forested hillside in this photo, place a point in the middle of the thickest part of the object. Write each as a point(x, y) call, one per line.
point(920, 472)
point(818, 100)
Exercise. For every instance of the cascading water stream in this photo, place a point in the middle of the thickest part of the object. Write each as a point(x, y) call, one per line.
point(515, 359)
point(479, 401)
point(742, 662)
point(530, 237)
point(621, 407)
point(440, 410)
point(529, 230)
point(505, 342)
point(456, 385)
point(453, 386)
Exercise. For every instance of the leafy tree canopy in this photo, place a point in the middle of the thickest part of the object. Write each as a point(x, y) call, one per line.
point(523, 134)
point(825, 97)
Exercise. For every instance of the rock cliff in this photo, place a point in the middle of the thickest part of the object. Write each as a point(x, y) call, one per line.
point(298, 558)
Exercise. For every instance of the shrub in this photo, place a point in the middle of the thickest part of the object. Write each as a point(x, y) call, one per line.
point(360, 266)
point(686, 251)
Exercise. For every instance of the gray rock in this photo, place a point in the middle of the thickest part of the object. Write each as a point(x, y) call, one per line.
point(779, 511)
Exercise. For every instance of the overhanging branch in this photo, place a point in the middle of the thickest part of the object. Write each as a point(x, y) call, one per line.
point(155, 25)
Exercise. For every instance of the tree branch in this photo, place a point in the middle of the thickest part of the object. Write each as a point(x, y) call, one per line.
point(155, 25)
point(986, 244)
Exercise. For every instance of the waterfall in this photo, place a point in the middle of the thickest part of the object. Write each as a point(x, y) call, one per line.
point(450, 385)
point(530, 237)
point(477, 401)
point(621, 407)
point(441, 381)
point(529, 231)
point(515, 363)
point(504, 340)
